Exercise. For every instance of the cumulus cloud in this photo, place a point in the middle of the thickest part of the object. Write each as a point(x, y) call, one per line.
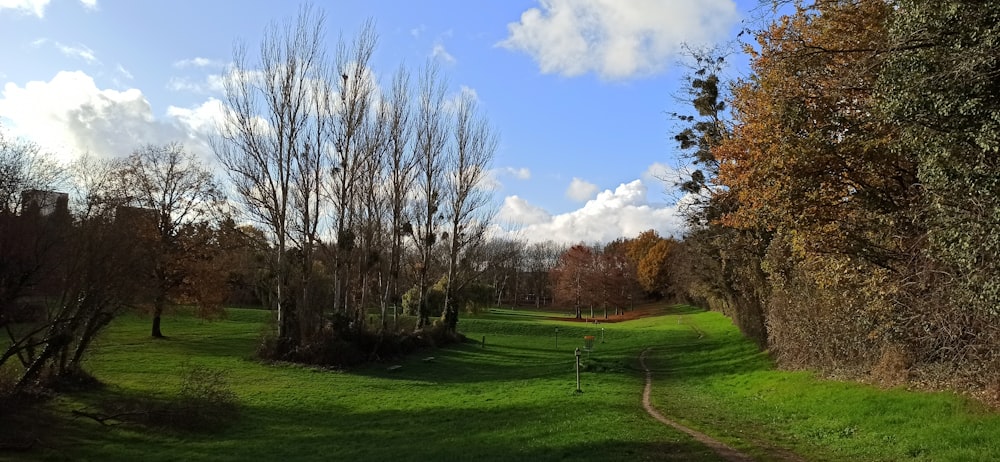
point(69, 115)
point(35, 7)
point(89, 4)
point(616, 39)
point(200, 120)
point(624, 212)
point(518, 211)
point(666, 175)
point(580, 190)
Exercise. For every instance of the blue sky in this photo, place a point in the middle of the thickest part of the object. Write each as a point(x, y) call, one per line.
point(577, 89)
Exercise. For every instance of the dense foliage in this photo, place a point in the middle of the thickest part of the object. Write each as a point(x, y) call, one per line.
point(851, 222)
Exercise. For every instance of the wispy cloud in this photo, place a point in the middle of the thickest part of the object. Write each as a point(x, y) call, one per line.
point(78, 51)
point(198, 62)
point(522, 173)
point(211, 84)
point(124, 72)
point(440, 53)
point(35, 7)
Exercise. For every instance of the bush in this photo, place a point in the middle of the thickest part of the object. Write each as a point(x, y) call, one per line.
point(435, 300)
point(344, 345)
point(205, 403)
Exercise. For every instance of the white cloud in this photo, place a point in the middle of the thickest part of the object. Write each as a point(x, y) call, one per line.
point(78, 51)
point(518, 211)
point(36, 7)
point(666, 175)
point(580, 190)
point(522, 173)
point(468, 91)
point(452, 102)
point(124, 72)
point(492, 180)
point(213, 83)
point(624, 212)
point(616, 39)
point(69, 115)
point(202, 119)
point(198, 62)
point(89, 4)
point(440, 53)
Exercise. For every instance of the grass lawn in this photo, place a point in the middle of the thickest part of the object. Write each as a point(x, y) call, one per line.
point(710, 378)
point(512, 400)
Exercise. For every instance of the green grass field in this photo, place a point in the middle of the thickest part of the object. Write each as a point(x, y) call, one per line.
point(512, 400)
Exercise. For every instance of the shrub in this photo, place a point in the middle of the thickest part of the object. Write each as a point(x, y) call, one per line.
point(206, 402)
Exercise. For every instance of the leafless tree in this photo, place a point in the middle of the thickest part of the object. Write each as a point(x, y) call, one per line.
point(467, 197)
point(268, 143)
point(24, 166)
point(355, 141)
point(396, 110)
point(541, 258)
point(430, 140)
point(27, 240)
point(505, 260)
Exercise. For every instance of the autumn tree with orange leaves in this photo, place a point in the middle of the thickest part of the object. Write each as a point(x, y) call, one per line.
point(812, 160)
point(572, 278)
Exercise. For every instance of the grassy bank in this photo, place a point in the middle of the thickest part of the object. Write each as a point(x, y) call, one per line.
point(712, 379)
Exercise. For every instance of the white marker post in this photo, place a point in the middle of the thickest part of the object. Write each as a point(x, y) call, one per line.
point(578, 390)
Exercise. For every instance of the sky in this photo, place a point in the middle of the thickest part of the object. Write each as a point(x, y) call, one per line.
point(579, 91)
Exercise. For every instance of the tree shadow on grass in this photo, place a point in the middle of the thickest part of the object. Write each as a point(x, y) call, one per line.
point(469, 364)
point(336, 433)
point(702, 356)
point(108, 415)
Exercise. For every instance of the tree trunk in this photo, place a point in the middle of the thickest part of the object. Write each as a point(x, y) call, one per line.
point(157, 313)
point(94, 325)
point(55, 344)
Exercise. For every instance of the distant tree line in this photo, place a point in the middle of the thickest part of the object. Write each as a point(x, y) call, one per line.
point(850, 190)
